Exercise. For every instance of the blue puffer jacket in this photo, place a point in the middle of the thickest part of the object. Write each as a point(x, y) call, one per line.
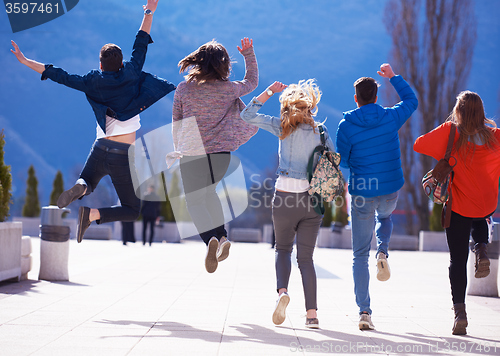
point(368, 142)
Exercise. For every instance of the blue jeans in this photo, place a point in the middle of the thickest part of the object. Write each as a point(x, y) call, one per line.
point(368, 214)
point(111, 158)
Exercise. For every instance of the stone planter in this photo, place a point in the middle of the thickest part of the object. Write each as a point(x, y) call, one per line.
point(432, 241)
point(31, 226)
point(10, 250)
point(267, 233)
point(344, 238)
point(327, 238)
point(404, 243)
point(245, 235)
point(26, 259)
point(488, 286)
point(166, 231)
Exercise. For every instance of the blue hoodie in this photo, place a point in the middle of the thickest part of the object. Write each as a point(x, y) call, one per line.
point(368, 143)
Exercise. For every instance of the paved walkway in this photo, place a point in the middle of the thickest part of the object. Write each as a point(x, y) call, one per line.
point(135, 300)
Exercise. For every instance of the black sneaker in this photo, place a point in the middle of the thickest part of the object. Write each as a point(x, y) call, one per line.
point(70, 195)
point(83, 222)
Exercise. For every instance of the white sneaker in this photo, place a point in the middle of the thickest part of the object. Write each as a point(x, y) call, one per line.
point(279, 314)
point(365, 322)
point(223, 249)
point(211, 257)
point(383, 270)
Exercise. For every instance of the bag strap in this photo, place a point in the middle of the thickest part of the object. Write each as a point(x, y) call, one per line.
point(318, 149)
point(316, 199)
point(446, 213)
point(451, 138)
point(322, 134)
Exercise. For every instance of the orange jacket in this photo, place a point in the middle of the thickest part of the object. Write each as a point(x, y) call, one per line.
point(475, 185)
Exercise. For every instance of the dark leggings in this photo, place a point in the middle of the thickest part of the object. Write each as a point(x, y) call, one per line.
point(200, 176)
point(457, 235)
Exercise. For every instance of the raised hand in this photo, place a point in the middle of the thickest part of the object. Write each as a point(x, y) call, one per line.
point(17, 52)
point(245, 44)
point(152, 4)
point(386, 71)
point(277, 87)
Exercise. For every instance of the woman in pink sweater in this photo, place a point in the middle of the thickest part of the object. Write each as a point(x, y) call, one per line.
point(206, 128)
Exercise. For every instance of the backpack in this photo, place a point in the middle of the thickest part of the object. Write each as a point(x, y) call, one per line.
point(437, 182)
point(326, 182)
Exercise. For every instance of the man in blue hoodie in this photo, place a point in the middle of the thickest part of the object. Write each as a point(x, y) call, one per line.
point(368, 142)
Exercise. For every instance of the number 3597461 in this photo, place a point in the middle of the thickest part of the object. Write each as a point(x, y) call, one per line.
point(31, 7)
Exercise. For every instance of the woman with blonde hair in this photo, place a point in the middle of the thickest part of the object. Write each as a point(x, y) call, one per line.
point(293, 210)
point(474, 189)
point(206, 128)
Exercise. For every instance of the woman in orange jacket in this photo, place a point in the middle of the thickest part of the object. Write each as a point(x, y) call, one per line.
point(474, 189)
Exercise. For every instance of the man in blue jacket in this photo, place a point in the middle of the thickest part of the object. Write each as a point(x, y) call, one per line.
point(117, 93)
point(368, 142)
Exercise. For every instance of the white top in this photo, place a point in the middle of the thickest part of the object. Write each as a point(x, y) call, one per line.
point(292, 185)
point(116, 127)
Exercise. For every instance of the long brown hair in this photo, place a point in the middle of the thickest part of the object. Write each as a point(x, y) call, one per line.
point(299, 106)
point(468, 115)
point(208, 63)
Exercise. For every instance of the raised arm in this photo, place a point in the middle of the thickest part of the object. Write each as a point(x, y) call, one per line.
point(409, 102)
point(276, 87)
point(251, 80)
point(147, 20)
point(36, 66)
point(386, 71)
point(269, 123)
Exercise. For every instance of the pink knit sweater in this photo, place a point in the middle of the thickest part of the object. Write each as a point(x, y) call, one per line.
point(216, 107)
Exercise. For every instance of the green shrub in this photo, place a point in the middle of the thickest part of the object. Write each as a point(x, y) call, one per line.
point(327, 217)
point(341, 215)
point(435, 219)
point(5, 183)
point(31, 208)
point(57, 188)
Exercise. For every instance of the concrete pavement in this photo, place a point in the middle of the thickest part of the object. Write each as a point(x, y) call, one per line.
point(141, 300)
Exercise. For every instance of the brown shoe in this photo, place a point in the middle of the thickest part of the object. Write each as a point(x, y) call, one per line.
point(70, 195)
point(312, 323)
point(482, 265)
point(211, 261)
point(460, 323)
point(83, 222)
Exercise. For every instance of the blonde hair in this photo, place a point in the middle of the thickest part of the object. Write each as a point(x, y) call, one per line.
point(299, 106)
point(468, 115)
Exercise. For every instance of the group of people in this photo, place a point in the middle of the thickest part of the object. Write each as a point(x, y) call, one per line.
point(367, 140)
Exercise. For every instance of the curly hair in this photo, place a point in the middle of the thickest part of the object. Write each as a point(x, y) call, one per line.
point(208, 63)
point(299, 105)
point(468, 115)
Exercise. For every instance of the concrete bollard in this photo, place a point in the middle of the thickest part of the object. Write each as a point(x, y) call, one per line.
point(488, 286)
point(54, 245)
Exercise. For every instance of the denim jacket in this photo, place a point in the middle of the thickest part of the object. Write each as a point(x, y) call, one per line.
point(295, 149)
point(121, 95)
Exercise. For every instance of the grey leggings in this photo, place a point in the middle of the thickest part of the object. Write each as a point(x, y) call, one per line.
point(293, 214)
